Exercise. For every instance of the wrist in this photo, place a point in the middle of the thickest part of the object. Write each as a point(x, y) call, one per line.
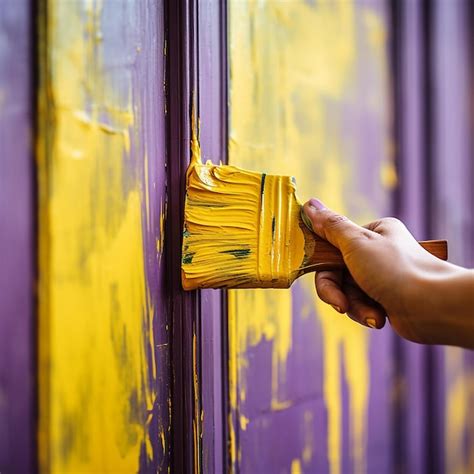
point(440, 305)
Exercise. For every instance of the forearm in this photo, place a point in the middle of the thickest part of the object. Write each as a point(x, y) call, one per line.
point(443, 306)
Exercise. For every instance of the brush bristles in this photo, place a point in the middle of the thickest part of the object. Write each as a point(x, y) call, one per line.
point(238, 228)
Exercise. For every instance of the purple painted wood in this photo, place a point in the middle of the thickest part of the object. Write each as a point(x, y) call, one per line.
point(212, 113)
point(17, 270)
point(452, 157)
point(180, 84)
point(436, 175)
point(410, 410)
point(149, 94)
point(195, 82)
point(451, 214)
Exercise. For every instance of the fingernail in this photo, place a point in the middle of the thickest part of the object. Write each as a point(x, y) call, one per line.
point(371, 323)
point(317, 204)
point(306, 220)
point(337, 308)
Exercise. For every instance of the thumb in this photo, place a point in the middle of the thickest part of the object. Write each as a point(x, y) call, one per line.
point(333, 227)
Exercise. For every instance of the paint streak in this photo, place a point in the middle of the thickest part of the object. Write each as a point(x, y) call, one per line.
point(284, 104)
point(459, 397)
point(244, 421)
point(308, 447)
point(96, 329)
point(339, 334)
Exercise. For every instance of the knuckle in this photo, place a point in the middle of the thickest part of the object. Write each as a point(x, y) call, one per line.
point(391, 221)
point(321, 287)
point(334, 220)
point(366, 234)
point(392, 224)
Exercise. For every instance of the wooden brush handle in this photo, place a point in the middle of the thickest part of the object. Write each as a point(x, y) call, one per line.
point(327, 257)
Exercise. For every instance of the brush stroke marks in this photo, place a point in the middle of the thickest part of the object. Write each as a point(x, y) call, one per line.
point(104, 375)
point(309, 97)
point(241, 228)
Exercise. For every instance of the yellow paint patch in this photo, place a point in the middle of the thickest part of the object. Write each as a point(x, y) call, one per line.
point(296, 467)
point(268, 318)
point(458, 419)
point(388, 175)
point(292, 67)
point(244, 421)
point(94, 308)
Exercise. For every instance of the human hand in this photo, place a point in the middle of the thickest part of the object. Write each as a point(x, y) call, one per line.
point(388, 273)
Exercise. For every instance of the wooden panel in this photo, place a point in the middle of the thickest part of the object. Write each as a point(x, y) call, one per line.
point(309, 96)
point(212, 111)
point(411, 410)
point(104, 344)
point(17, 348)
point(451, 215)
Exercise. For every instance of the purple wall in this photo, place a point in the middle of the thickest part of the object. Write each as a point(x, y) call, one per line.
point(17, 274)
point(434, 114)
point(410, 204)
point(451, 213)
point(433, 77)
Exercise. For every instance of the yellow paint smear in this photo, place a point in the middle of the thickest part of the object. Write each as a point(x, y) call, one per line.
point(241, 228)
point(94, 309)
point(459, 422)
point(292, 67)
point(296, 467)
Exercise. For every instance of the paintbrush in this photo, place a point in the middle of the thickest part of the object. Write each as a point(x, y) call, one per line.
point(244, 229)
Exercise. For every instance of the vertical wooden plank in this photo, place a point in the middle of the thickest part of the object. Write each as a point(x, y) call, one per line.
point(452, 217)
point(412, 125)
point(212, 113)
point(104, 326)
point(17, 269)
point(181, 80)
point(196, 83)
point(309, 97)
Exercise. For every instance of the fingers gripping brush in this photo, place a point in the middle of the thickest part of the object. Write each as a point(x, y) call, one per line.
point(244, 229)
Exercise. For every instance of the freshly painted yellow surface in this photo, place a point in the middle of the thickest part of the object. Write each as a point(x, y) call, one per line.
point(292, 65)
point(241, 228)
point(94, 310)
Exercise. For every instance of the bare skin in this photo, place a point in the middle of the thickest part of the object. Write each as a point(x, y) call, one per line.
point(390, 275)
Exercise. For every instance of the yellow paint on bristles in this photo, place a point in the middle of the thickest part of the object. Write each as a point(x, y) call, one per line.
point(241, 227)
